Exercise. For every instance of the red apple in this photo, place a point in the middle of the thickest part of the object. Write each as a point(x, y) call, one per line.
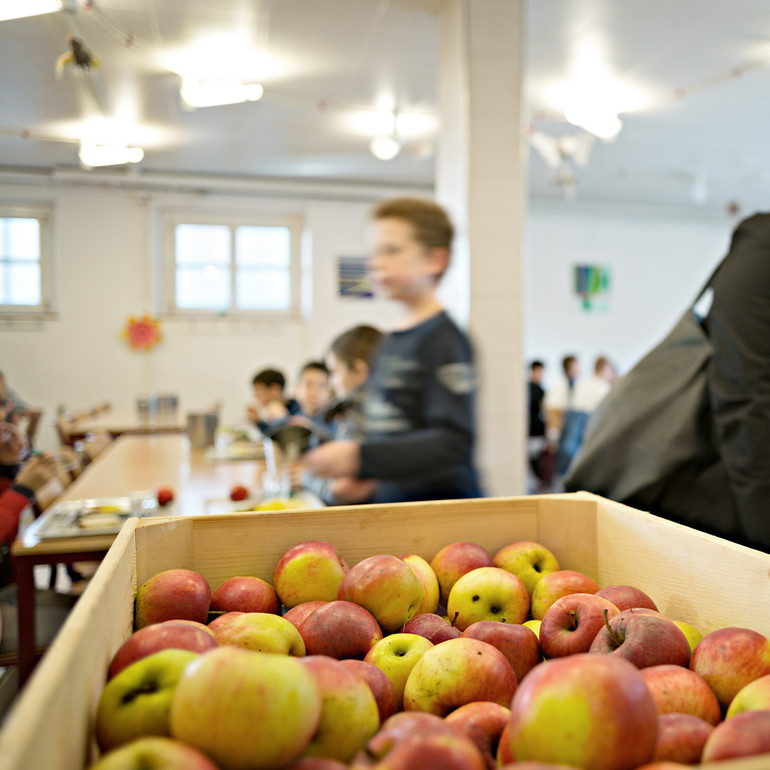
point(386, 586)
point(165, 495)
point(518, 643)
point(584, 710)
point(340, 630)
point(456, 672)
point(245, 594)
point(678, 690)
point(528, 560)
point(453, 561)
point(172, 595)
point(404, 725)
point(487, 593)
point(643, 639)
point(309, 571)
point(554, 585)
point(626, 597)
point(239, 492)
point(384, 691)
point(571, 623)
point(429, 581)
point(482, 722)
point(729, 658)
point(744, 735)
point(435, 628)
point(681, 738)
point(448, 752)
point(316, 763)
point(155, 753)
point(223, 619)
point(172, 634)
point(539, 766)
point(504, 755)
point(297, 614)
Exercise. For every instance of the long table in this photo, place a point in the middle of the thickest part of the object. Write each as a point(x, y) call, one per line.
point(130, 463)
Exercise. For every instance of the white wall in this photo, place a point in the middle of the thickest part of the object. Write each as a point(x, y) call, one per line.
point(658, 261)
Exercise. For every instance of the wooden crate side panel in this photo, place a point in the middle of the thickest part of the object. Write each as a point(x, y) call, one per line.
point(252, 544)
point(163, 544)
point(694, 577)
point(50, 726)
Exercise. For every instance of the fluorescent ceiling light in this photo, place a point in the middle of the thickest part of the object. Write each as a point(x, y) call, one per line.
point(384, 147)
point(19, 9)
point(212, 93)
point(92, 155)
point(598, 120)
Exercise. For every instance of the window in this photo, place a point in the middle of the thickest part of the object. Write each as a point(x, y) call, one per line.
point(230, 267)
point(24, 260)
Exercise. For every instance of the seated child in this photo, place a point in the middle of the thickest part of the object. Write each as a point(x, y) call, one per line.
point(272, 404)
point(312, 390)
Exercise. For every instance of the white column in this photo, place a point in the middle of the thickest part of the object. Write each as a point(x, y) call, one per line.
point(480, 175)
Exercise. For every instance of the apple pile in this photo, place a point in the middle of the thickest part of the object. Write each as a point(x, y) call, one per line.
point(472, 661)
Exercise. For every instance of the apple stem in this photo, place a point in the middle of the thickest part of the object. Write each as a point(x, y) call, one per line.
point(454, 619)
point(573, 619)
point(615, 640)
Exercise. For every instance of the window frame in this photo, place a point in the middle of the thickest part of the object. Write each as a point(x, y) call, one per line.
point(43, 213)
point(171, 219)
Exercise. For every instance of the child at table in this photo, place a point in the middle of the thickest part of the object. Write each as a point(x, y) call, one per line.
point(271, 403)
point(419, 408)
point(312, 390)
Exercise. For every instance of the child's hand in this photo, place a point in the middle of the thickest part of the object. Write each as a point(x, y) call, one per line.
point(347, 490)
point(12, 443)
point(335, 459)
point(252, 414)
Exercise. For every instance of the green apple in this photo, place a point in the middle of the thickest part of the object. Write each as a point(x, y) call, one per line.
point(528, 560)
point(754, 696)
point(246, 710)
point(261, 632)
point(487, 593)
point(396, 655)
point(349, 713)
point(309, 571)
point(137, 700)
point(154, 753)
point(427, 576)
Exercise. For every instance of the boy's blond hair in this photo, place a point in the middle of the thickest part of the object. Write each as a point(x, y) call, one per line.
point(432, 226)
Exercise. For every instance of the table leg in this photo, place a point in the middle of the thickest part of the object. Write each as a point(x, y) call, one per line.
point(25, 601)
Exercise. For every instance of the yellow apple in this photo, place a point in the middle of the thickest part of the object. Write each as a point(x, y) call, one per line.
point(261, 632)
point(396, 655)
point(692, 634)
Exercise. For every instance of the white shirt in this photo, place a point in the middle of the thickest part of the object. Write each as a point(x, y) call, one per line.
point(588, 393)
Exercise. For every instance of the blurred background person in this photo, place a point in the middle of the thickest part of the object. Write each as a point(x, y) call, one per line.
point(558, 400)
point(272, 404)
point(17, 409)
point(541, 464)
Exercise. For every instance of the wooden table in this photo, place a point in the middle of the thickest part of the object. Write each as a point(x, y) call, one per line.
point(117, 425)
point(131, 463)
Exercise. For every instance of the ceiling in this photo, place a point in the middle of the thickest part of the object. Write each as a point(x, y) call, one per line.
point(689, 81)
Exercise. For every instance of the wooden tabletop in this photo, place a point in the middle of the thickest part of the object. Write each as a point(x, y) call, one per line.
point(134, 463)
point(118, 425)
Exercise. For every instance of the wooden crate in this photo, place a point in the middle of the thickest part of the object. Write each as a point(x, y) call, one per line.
point(694, 577)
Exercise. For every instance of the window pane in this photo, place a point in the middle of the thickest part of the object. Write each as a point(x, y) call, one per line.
point(20, 238)
point(205, 288)
point(23, 284)
point(202, 245)
point(263, 246)
point(263, 290)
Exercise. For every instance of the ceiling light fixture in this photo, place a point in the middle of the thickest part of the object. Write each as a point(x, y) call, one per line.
point(19, 9)
point(92, 155)
point(599, 120)
point(384, 147)
point(213, 93)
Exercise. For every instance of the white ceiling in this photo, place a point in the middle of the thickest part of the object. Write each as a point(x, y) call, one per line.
point(693, 79)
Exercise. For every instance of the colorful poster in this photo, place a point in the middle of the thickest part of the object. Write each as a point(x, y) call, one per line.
point(354, 277)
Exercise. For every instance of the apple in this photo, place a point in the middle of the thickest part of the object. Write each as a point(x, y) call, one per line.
point(171, 634)
point(215, 709)
point(625, 597)
point(245, 594)
point(554, 585)
point(518, 643)
point(435, 628)
point(448, 752)
point(729, 658)
point(504, 755)
point(316, 763)
point(221, 620)
point(487, 593)
point(238, 492)
point(386, 586)
point(164, 495)
point(173, 594)
point(299, 612)
point(483, 722)
point(545, 766)
point(154, 753)
point(456, 672)
point(396, 655)
point(643, 639)
point(678, 690)
point(755, 696)
point(261, 632)
point(744, 735)
point(340, 630)
point(384, 691)
point(137, 700)
point(691, 633)
point(571, 623)
point(349, 713)
point(584, 710)
point(398, 727)
point(528, 560)
point(429, 581)
point(453, 561)
point(534, 625)
point(681, 738)
point(309, 571)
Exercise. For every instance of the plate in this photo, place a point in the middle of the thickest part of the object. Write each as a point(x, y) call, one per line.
point(252, 505)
